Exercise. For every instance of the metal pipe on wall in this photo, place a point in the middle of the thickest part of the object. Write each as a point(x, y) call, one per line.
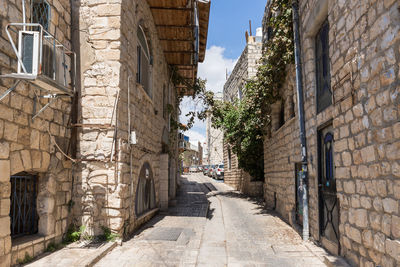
point(300, 106)
point(129, 142)
point(23, 14)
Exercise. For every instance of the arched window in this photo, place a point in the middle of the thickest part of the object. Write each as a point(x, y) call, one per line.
point(143, 62)
point(229, 159)
point(145, 193)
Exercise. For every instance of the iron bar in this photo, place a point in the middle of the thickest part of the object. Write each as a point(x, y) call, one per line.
point(10, 90)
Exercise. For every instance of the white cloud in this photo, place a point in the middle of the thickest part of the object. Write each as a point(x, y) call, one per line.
point(195, 137)
point(213, 69)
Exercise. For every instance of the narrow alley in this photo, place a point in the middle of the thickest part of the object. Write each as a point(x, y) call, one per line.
point(236, 231)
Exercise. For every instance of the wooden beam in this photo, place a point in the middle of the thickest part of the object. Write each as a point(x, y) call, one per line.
point(184, 65)
point(171, 8)
point(179, 52)
point(175, 26)
point(177, 40)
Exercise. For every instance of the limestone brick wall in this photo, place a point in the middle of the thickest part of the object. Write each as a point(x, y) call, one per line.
point(28, 145)
point(106, 190)
point(364, 56)
point(245, 68)
point(282, 152)
point(214, 143)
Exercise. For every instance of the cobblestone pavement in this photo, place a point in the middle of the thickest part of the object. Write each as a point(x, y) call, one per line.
point(236, 231)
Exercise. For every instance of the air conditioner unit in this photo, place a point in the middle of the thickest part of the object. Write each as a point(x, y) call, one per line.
point(29, 53)
point(42, 59)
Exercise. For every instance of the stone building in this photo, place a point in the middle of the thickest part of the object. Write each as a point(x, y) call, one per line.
point(214, 139)
point(350, 54)
point(87, 141)
point(245, 69)
point(192, 155)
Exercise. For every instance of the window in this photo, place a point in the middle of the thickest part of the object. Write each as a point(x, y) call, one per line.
point(164, 105)
point(23, 215)
point(143, 62)
point(41, 13)
point(145, 193)
point(229, 158)
point(240, 94)
point(323, 77)
point(282, 114)
point(327, 158)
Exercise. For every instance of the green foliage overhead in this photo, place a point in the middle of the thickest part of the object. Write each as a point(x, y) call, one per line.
point(245, 122)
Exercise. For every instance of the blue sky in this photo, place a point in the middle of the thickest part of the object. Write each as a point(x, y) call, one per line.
point(229, 20)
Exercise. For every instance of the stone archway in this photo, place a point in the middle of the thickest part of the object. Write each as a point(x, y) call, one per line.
point(145, 191)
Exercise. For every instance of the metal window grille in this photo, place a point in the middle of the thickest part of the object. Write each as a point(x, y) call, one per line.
point(23, 214)
point(145, 193)
point(41, 13)
point(144, 62)
point(323, 76)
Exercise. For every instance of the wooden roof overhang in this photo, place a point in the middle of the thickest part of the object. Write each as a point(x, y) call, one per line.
point(176, 26)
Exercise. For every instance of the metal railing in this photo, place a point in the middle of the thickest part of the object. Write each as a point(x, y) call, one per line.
point(56, 67)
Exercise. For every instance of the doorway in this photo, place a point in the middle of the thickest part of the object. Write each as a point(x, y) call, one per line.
point(328, 201)
point(299, 193)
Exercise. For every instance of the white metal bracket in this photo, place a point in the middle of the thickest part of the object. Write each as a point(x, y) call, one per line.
point(9, 90)
point(51, 97)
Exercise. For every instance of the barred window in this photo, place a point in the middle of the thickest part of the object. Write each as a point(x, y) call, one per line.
point(143, 62)
point(23, 214)
point(41, 13)
point(323, 76)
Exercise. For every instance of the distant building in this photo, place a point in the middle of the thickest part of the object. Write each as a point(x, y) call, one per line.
point(245, 68)
point(192, 155)
point(214, 137)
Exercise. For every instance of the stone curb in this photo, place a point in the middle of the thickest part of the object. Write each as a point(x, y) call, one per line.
point(335, 261)
point(100, 254)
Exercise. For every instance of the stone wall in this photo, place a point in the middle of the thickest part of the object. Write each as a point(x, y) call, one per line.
point(214, 139)
point(28, 145)
point(364, 56)
point(106, 191)
point(282, 152)
point(245, 68)
point(364, 52)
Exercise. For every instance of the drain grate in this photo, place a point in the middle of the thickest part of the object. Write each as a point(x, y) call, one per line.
point(165, 234)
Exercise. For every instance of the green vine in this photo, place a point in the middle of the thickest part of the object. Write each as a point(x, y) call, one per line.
point(245, 122)
point(197, 90)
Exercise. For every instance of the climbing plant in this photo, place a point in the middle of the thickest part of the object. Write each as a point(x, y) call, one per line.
point(245, 122)
point(197, 91)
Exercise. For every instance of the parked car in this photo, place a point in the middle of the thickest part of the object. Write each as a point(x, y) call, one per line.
point(218, 172)
point(193, 169)
point(199, 168)
point(205, 169)
point(210, 171)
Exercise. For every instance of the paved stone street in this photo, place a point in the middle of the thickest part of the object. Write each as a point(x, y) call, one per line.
point(236, 231)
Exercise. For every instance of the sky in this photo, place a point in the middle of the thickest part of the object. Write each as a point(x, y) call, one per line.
point(229, 20)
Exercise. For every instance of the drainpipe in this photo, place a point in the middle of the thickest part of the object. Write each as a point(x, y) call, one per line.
point(23, 15)
point(300, 104)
